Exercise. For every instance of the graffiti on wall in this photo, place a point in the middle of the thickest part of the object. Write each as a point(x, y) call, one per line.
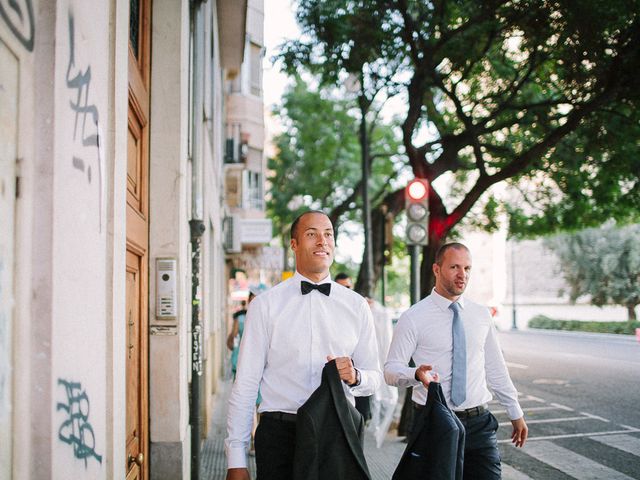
point(76, 429)
point(86, 126)
point(19, 18)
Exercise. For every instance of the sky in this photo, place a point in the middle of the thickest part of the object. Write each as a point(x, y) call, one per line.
point(280, 24)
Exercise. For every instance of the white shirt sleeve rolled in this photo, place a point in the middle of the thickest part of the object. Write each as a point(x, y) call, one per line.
point(498, 377)
point(403, 345)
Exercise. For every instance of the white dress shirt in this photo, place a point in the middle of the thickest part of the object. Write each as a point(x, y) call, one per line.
point(424, 333)
point(287, 337)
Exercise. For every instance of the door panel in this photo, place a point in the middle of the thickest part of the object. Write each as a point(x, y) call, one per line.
point(137, 184)
point(133, 359)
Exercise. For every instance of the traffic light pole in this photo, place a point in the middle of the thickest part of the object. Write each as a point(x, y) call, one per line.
point(414, 251)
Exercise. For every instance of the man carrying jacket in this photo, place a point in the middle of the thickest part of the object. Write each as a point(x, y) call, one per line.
point(450, 334)
point(291, 331)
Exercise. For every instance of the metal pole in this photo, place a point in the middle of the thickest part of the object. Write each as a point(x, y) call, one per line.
point(197, 227)
point(514, 324)
point(414, 250)
point(383, 273)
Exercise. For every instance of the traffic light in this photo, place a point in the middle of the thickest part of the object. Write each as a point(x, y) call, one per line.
point(416, 203)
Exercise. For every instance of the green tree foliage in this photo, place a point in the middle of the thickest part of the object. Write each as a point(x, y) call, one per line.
point(542, 92)
point(317, 160)
point(603, 263)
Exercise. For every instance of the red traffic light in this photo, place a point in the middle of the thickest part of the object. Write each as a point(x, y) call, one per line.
point(417, 189)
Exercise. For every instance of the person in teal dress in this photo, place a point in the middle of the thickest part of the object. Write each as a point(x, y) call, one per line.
point(233, 340)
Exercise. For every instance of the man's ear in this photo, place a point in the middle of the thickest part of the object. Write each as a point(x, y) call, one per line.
point(436, 269)
point(293, 244)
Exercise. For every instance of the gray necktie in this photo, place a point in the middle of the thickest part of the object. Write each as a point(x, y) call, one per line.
point(459, 370)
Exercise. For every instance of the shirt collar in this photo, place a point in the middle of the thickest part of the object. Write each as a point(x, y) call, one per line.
point(298, 277)
point(444, 303)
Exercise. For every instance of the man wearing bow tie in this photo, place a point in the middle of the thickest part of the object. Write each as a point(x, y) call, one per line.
point(291, 331)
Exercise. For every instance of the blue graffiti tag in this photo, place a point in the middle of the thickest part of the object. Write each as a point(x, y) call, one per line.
point(14, 16)
point(76, 429)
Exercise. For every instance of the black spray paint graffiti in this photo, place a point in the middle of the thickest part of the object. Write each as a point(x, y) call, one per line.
point(89, 131)
point(19, 19)
point(76, 429)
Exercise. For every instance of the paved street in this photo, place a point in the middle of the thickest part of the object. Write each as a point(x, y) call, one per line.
point(581, 397)
point(581, 394)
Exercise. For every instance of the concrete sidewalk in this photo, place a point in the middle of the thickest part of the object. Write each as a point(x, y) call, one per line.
point(381, 461)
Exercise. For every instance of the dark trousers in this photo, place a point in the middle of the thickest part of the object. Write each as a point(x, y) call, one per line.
point(481, 454)
point(363, 405)
point(275, 444)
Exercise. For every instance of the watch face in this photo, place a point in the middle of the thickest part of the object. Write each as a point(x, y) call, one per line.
point(416, 233)
point(416, 212)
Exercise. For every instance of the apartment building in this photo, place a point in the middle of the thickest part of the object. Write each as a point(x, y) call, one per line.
point(115, 161)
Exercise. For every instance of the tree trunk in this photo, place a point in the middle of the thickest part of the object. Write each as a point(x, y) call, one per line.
point(377, 240)
point(631, 313)
point(436, 240)
point(394, 203)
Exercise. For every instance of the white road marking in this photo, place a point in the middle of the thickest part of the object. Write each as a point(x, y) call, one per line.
point(572, 463)
point(563, 407)
point(557, 420)
point(574, 435)
point(517, 365)
point(533, 399)
point(627, 426)
point(552, 407)
point(626, 443)
point(550, 381)
point(510, 473)
point(595, 417)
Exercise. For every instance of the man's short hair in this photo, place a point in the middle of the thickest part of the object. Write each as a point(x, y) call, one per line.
point(294, 225)
point(443, 249)
point(341, 276)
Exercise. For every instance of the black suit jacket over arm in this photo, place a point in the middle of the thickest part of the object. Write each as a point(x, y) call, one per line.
point(329, 434)
point(436, 445)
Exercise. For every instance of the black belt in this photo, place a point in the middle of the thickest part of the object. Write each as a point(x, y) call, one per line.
point(466, 413)
point(471, 412)
point(280, 416)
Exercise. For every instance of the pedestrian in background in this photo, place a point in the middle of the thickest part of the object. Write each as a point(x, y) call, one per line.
point(363, 404)
point(449, 334)
point(237, 329)
point(292, 330)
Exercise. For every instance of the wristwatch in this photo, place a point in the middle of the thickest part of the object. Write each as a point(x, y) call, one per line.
point(357, 378)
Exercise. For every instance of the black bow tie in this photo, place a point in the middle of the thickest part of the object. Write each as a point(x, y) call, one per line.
point(306, 287)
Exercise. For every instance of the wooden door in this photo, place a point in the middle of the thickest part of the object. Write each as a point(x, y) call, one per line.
point(136, 324)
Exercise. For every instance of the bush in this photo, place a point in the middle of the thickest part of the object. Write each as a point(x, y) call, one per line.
point(543, 322)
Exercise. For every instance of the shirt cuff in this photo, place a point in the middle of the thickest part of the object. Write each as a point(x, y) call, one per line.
point(410, 373)
point(236, 457)
point(515, 412)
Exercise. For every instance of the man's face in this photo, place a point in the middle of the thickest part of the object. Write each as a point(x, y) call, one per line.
point(345, 282)
point(453, 274)
point(314, 246)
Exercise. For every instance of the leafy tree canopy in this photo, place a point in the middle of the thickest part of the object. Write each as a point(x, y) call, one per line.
point(495, 90)
point(317, 161)
point(603, 263)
